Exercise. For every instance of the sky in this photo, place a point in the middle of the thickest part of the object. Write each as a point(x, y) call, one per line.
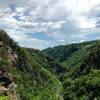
point(46, 23)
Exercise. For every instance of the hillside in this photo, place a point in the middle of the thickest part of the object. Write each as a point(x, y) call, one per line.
point(46, 61)
point(72, 54)
point(22, 77)
point(65, 72)
point(82, 61)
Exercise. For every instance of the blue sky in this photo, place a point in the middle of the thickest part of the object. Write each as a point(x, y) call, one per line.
point(46, 23)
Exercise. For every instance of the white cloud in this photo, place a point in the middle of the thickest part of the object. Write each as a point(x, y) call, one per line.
point(86, 23)
point(62, 20)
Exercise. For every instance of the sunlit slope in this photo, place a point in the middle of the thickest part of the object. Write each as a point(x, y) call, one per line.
point(30, 79)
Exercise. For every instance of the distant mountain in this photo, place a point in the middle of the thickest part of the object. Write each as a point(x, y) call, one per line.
point(65, 54)
point(65, 72)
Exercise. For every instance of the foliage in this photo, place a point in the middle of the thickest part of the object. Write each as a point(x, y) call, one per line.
point(81, 80)
point(69, 72)
point(34, 82)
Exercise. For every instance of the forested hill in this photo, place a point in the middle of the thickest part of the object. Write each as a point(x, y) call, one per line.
point(82, 61)
point(24, 75)
point(67, 72)
point(66, 54)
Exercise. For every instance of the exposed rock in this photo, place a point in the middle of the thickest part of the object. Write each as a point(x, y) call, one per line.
point(3, 90)
point(5, 78)
point(1, 44)
point(15, 56)
point(7, 86)
point(9, 50)
point(12, 87)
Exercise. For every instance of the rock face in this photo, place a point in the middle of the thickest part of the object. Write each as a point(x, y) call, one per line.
point(3, 90)
point(11, 93)
point(1, 44)
point(12, 56)
point(7, 86)
point(12, 87)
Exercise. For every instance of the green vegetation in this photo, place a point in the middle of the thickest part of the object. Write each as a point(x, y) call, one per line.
point(33, 81)
point(66, 72)
point(82, 62)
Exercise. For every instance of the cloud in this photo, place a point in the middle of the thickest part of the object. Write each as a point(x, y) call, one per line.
point(63, 21)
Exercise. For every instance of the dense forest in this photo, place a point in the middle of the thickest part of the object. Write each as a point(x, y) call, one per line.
point(65, 72)
point(82, 62)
